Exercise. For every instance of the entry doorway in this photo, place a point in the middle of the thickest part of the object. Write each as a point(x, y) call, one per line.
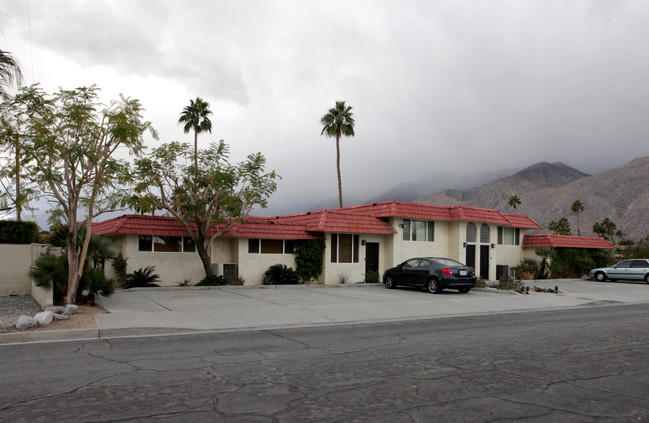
point(371, 257)
point(470, 256)
point(484, 261)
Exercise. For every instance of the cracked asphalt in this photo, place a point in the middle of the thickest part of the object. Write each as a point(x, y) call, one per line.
point(576, 365)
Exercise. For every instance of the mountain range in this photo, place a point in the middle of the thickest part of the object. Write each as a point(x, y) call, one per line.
point(547, 190)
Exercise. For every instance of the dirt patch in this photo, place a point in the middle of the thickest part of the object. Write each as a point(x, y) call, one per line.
point(83, 319)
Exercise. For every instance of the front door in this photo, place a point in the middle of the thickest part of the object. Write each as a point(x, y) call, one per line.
point(484, 261)
point(371, 257)
point(470, 256)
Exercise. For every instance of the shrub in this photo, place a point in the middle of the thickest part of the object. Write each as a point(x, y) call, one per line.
point(480, 283)
point(343, 277)
point(372, 277)
point(96, 282)
point(510, 285)
point(527, 269)
point(281, 274)
point(50, 271)
point(212, 280)
point(186, 282)
point(119, 265)
point(309, 259)
point(142, 278)
point(238, 281)
point(18, 232)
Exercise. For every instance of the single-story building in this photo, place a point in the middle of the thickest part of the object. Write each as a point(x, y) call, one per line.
point(358, 239)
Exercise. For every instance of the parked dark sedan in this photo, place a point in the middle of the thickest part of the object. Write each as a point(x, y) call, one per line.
point(433, 273)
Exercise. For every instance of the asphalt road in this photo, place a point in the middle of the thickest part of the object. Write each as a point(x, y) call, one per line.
point(577, 365)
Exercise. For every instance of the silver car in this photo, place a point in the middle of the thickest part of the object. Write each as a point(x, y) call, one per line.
point(634, 269)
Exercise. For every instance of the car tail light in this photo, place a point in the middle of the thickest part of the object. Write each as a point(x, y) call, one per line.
point(447, 272)
point(473, 272)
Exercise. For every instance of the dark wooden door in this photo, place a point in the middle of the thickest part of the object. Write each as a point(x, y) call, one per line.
point(470, 256)
point(371, 257)
point(484, 261)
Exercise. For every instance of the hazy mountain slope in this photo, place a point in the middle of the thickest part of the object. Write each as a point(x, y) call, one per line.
point(547, 192)
point(535, 177)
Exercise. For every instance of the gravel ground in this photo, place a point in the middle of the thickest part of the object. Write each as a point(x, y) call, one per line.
point(11, 308)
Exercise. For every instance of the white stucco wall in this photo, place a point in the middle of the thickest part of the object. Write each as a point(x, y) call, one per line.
point(253, 266)
point(15, 262)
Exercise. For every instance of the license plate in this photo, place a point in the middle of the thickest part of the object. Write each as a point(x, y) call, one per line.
point(463, 273)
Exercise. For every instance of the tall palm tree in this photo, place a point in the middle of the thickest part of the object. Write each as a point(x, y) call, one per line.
point(9, 71)
point(514, 201)
point(195, 116)
point(577, 207)
point(338, 121)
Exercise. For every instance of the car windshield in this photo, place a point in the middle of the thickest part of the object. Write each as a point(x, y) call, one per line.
point(448, 262)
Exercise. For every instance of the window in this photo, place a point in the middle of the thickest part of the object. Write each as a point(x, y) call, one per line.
point(344, 248)
point(509, 236)
point(470, 232)
point(166, 244)
point(269, 246)
point(484, 234)
point(418, 230)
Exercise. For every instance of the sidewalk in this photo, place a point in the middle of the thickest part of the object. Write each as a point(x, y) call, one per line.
point(155, 311)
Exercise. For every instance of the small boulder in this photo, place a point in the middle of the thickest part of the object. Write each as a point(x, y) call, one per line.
point(44, 317)
point(70, 309)
point(26, 322)
point(60, 317)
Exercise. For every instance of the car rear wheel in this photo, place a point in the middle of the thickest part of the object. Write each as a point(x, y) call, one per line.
point(646, 278)
point(389, 282)
point(433, 287)
point(600, 276)
point(464, 290)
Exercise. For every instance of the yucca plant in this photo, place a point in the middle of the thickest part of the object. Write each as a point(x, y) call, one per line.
point(142, 278)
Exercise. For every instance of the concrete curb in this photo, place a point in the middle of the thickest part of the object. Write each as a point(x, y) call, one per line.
point(236, 287)
point(49, 335)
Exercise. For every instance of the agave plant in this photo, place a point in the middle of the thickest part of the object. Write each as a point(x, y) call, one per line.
point(142, 278)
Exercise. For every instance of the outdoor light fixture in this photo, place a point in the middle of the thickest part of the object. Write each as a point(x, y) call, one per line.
point(401, 225)
point(363, 242)
point(493, 245)
point(464, 245)
point(527, 289)
point(556, 289)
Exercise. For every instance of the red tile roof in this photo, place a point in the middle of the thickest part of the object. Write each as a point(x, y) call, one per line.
point(448, 213)
point(337, 221)
point(363, 219)
point(255, 227)
point(565, 241)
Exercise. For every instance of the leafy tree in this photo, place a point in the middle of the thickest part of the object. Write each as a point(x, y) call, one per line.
point(338, 121)
point(195, 116)
point(17, 114)
point(577, 207)
point(9, 71)
point(73, 139)
point(606, 229)
point(207, 200)
point(309, 256)
point(514, 201)
point(561, 227)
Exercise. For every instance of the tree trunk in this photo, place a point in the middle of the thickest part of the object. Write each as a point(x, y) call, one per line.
point(196, 153)
point(73, 264)
point(19, 206)
point(340, 184)
point(578, 229)
point(205, 258)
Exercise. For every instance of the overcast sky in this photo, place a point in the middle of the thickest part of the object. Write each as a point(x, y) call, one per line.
point(436, 86)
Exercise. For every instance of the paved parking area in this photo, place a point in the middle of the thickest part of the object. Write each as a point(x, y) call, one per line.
point(171, 310)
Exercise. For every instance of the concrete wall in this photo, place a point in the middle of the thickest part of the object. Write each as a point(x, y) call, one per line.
point(15, 262)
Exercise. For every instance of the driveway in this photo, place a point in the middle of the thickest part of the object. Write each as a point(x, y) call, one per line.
point(175, 310)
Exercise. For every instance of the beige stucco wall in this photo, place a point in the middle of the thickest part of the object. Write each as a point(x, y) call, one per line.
point(253, 266)
point(15, 262)
point(172, 267)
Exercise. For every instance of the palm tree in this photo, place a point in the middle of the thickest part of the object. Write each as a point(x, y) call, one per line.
point(577, 207)
point(514, 201)
point(338, 121)
point(9, 71)
point(195, 116)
